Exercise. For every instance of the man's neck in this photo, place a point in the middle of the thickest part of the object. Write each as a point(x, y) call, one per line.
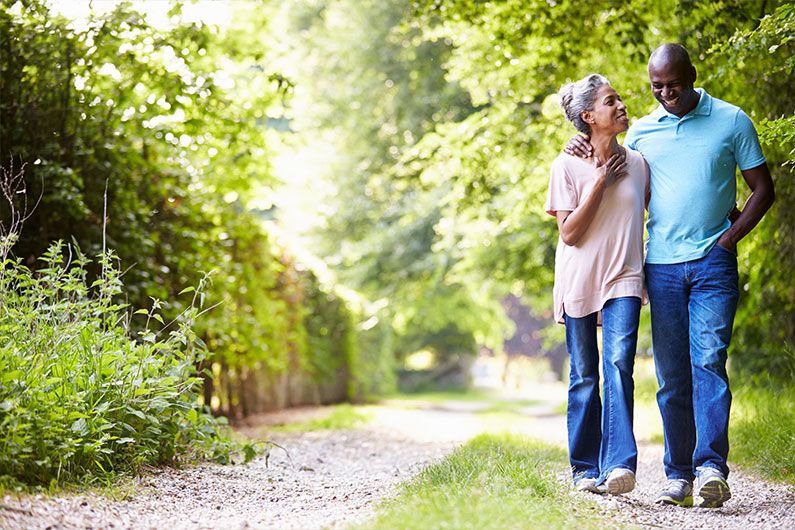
point(696, 97)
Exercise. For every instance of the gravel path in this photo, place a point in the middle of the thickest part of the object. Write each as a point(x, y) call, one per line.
point(330, 477)
point(333, 478)
point(755, 504)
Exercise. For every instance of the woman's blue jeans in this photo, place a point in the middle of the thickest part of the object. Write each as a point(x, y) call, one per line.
point(601, 440)
point(692, 312)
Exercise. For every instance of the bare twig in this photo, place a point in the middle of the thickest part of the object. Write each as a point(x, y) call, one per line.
point(15, 192)
point(104, 216)
point(13, 509)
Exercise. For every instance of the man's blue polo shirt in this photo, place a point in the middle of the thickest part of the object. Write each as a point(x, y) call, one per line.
point(693, 162)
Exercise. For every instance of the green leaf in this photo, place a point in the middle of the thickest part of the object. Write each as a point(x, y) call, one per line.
point(80, 426)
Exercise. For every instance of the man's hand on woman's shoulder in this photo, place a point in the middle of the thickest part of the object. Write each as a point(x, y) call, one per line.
point(579, 146)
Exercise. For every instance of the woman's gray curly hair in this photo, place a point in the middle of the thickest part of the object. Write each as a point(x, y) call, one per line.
point(579, 96)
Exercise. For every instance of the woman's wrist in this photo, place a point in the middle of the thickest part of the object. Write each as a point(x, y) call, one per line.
point(599, 182)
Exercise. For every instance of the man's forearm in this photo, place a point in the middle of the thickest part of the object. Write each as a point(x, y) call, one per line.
point(754, 209)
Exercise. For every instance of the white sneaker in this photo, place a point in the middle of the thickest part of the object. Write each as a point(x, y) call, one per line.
point(620, 480)
point(587, 484)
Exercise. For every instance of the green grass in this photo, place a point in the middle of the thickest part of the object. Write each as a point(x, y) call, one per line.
point(439, 396)
point(339, 417)
point(492, 482)
point(648, 423)
point(493, 401)
point(762, 430)
point(500, 406)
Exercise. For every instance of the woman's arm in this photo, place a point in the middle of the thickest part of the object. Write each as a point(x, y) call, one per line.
point(573, 224)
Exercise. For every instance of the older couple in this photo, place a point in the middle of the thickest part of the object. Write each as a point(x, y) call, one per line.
point(679, 162)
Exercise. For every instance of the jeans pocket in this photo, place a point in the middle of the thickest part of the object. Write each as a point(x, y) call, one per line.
point(726, 250)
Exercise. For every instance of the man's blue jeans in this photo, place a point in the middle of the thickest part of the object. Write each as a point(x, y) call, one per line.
point(600, 441)
point(692, 312)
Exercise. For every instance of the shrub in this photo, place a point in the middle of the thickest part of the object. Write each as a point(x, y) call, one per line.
point(79, 394)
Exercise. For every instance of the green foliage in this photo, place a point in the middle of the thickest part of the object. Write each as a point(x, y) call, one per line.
point(168, 120)
point(371, 87)
point(762, 56)
point(494, 481)
point(493, 166)
point(79, 394)
point(157, 142)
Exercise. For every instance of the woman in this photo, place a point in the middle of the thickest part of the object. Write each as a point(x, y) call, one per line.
point(599, 205)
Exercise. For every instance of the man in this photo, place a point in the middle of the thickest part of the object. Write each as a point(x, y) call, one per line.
point(693, 144)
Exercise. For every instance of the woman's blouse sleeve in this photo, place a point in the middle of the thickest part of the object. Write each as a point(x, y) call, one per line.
point(561, 195)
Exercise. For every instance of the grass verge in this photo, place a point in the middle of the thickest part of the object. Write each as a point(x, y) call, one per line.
point(494, 481)
point(344, 416)
point(440, 396)
point(762, 430)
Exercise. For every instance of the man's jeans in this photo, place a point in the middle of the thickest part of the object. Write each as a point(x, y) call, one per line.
point(692, 312)
point(596, 450)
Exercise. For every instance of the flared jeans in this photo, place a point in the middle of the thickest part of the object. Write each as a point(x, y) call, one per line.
point(601, 437)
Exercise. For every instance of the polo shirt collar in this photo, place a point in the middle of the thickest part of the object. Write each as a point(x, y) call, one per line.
point(704, 108)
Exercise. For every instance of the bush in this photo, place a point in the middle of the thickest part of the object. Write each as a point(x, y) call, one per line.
point(78, 393)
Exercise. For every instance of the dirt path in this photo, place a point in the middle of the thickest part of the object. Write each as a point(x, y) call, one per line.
point(333, 478)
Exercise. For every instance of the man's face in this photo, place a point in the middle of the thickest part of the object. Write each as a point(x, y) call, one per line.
point(672, 86)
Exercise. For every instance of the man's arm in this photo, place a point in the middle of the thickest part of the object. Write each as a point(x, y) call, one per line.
point(762, 196)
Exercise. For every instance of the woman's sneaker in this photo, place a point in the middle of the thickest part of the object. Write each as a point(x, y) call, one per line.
point(587, 484)
point(620, 480)
point(678, 491)
point(712, 488)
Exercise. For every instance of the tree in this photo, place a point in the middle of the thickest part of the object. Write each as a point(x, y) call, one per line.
point(371, 86)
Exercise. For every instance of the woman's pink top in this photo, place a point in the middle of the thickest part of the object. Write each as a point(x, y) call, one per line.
point(607, 261)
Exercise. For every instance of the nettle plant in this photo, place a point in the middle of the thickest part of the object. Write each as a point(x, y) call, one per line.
point(78, 392)
point(81, 393)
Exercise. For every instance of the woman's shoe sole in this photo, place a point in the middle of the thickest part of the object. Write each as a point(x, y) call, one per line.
point(622, 484)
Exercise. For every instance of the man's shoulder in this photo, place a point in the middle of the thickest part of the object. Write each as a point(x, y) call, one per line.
point(722, 103)
point(722, 108)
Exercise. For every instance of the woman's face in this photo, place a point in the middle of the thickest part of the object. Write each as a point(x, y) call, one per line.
point(609, 114)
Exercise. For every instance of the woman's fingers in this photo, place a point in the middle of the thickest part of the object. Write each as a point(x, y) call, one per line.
point(616, 168)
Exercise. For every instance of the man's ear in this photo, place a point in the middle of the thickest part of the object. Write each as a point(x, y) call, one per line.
point(693, 74)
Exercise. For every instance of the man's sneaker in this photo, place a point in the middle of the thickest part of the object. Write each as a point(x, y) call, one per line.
point(712, 488)
point(620, 480)
point(587, 484)
point(678, 491)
